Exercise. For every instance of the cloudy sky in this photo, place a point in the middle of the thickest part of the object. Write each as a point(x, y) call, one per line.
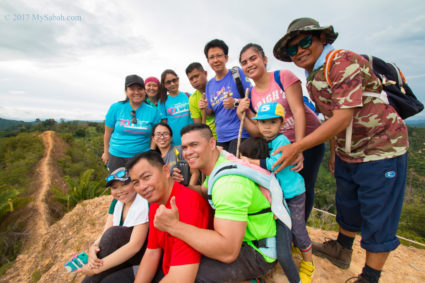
point(63, 59)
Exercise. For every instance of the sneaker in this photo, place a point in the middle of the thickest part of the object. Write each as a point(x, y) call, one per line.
point(357, 279)
point(333, 251)
point(306, 271)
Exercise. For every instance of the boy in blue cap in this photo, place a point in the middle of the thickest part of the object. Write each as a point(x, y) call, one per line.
point(270, 119)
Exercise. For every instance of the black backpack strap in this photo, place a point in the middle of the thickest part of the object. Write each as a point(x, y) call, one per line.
point(238, 81)
point(260, 243)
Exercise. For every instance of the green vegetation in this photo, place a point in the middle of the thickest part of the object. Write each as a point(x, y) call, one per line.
point(81, 190)
point(20, 151)
point(18, 158)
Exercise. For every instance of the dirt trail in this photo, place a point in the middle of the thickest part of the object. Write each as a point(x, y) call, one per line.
point(41, 220)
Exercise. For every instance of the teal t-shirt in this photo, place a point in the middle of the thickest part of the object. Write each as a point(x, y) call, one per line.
point(129, 139)
point(235, 197)
point(291, 182)
point(176, 111)
point(112, 208)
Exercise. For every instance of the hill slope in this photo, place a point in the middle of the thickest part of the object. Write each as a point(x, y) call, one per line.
point(83, 224)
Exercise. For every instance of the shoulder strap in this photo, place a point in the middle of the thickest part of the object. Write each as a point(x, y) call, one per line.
point(277, 79)
point(268, 182)
point(238, 81)
point(187, 94)
point(327, 66)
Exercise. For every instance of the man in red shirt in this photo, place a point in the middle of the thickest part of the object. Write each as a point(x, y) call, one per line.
point(180, 262)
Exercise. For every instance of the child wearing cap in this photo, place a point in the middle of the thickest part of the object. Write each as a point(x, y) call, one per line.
point(123, 241)
point(270, 120)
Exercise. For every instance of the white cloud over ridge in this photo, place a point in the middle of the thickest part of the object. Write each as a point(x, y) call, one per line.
point(73, 69)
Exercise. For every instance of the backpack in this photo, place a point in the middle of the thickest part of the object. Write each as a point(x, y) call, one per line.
point(306, 100)
point(264, 179)
point(237, 77)
point(395, 90)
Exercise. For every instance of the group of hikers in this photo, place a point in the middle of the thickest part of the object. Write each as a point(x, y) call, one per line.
point(166, 224)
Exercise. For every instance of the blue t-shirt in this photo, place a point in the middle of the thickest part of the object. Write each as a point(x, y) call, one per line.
point(129, 139)
point(227, 122)
point(292, 183)
point(176, 111)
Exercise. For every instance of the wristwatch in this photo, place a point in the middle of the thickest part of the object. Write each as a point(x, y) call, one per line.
point(235, 103)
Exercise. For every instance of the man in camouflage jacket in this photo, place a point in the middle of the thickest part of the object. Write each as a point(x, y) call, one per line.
point(371, 171)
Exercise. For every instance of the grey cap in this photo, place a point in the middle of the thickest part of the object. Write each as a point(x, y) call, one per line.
point(299, 26)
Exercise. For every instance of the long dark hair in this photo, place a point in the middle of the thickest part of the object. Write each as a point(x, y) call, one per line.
point(163, 94)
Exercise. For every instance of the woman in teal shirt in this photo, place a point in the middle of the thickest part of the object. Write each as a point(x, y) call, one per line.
point(128, 125)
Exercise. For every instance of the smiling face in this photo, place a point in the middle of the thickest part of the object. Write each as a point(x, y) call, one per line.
point(198, 150)
point(152, 89)
point(171, 83)
point(124, 192)
point(198, 79)
point(253, 63)
point(136, 94)
point(151, 182)
point(306, 57)
point(217, 59)
point(270, 128)
point(162, 137)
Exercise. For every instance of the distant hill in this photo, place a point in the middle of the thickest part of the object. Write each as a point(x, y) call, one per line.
point(416, 123)
point(7, 124)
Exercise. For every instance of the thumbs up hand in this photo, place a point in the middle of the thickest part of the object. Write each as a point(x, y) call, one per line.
point(166, 218)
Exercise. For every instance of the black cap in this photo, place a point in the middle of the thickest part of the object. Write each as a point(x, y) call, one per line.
point(134, 79)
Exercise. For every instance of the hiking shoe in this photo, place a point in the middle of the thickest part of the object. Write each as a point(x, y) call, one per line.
point(333, 251)
point(357, 279)
point(306, 271)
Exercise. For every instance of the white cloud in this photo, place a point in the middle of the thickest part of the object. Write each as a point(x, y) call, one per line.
point(76, 69)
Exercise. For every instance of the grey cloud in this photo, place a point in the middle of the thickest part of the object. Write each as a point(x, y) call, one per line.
point(30, 39)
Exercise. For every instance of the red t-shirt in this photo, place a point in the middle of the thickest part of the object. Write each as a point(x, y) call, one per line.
point(194, 210)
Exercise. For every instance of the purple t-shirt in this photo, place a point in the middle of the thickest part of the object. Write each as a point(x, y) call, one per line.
point(226, 120)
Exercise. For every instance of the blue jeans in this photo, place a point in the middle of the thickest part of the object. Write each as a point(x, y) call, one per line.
point(312, 159)
point(284, 252)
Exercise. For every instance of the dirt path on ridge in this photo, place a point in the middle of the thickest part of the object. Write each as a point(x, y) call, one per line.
point(41, 220)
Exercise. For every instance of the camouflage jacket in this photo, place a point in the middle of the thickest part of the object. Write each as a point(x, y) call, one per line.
point(378, 131)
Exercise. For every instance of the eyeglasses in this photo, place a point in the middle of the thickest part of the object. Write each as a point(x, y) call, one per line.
point(164, 135)
point(304, 43)
point(218, 56)
point(119, 174)
point(175, 80)
point(133, 117)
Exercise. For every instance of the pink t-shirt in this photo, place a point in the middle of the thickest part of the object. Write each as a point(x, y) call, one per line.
point(275, 94)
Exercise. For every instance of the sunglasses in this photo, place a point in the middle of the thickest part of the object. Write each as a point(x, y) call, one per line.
point(304, 43)
point(119, 174)
point(133, 117)
point(175, 80)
